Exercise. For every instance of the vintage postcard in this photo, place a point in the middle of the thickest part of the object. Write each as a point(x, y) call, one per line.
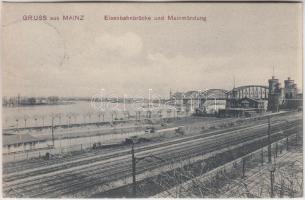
point(143, 99)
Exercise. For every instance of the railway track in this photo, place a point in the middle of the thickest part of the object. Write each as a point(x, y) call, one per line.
point(22, 166)
point(50, 168)
point(67, 182)
point(66, 189)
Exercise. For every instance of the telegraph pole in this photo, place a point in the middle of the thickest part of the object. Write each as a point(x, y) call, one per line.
point(52, 131)
point(271, 183)
point(262, 156)
point(287, 143)
point(134, 161)
point(269, 141)
point(243, 166)
point(134, 183)
point(276, 149)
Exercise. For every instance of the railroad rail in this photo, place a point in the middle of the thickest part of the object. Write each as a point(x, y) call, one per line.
point(65, 179)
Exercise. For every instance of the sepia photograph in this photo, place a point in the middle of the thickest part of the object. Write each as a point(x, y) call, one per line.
point(152, 99)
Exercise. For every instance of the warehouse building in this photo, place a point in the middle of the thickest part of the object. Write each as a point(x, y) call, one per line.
point(21, 142)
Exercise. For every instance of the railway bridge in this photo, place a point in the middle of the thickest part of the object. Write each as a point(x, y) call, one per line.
point(195, 99)
point(250, 91)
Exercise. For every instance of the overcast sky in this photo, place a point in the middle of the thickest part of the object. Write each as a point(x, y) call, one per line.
point(79, 58)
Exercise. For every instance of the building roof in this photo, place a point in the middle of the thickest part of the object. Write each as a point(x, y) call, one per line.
point(19, 139)
point(191, 94)
point(178, 95)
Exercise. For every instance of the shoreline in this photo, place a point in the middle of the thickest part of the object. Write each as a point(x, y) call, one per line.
point(39, 104)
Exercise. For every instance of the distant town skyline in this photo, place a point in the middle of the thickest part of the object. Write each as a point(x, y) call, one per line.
point(78, 59)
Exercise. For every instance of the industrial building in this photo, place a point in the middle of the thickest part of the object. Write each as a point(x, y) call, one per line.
point(276, 98)
point(292, 99)
point(241, 101)
point(21, 142)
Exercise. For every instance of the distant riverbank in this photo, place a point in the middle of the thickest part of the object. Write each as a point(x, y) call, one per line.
point(38, 104)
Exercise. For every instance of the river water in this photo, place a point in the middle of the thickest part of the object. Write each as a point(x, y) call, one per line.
point(76, 112)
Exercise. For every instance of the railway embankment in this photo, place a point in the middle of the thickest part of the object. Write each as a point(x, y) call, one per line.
point(91, 173)
point(173, 178)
